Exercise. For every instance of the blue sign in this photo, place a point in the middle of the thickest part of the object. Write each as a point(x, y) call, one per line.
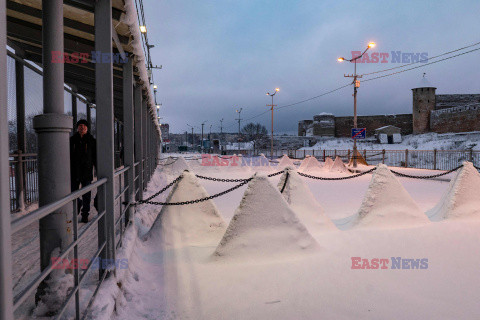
point(359, 133)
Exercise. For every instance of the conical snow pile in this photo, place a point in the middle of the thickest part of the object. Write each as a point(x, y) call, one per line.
point(285, 161)
point(387, 204)
point(303, 202)
point(338, 165)
point(311, 166)
point(304, 163)
point(191, 223)
point(174, 167)
point(328, 163)
point(462, 199)
point(264, 226)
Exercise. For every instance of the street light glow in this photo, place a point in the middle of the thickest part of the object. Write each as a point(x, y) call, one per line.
point(155, 87)
point(158, 106)
point(143, 29)
point(371, 44)
point(340, 59)
point(277, 89)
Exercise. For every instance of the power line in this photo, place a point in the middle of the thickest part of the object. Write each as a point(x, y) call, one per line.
point(421, 61)
point(426, 64)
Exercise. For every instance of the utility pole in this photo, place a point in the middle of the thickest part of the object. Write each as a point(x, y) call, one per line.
point(203, 123)
point(239, 111)
point(271, 108)
point(192, 133)
point(221, 126)
point(356, 85)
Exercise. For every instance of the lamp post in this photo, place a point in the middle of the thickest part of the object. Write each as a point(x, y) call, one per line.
point(356, 84)
point(271, 108)
point(192, 133)
point(239, 119)
point(155, 92)
point(203, 123)
point(221, 127)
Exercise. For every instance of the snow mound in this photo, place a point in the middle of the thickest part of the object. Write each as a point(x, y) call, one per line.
point(260, 163)
point(175, 167)
point(285, 161)
point(387, 203)
point(264, 226)
point(303, 202)
point(304, 162)
point(338, 165)
point(328, 163)
point(462, 199)
point(311, 165)
point(192, 223)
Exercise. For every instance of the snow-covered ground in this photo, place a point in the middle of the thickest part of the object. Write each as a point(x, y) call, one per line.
point(427, 141)
point(255, 253)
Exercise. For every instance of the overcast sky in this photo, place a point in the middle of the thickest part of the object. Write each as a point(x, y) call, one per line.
point(220, 55)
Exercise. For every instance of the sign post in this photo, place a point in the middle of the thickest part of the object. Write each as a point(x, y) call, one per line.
point(359, 133)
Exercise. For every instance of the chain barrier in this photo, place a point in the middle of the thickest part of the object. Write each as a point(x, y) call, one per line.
point(201, 199)
point(285, 183)
point(342, 178)
point(234, 180)
point(161, 191)
point(425, 177)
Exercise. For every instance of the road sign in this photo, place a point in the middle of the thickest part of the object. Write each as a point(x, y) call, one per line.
point(359, 133)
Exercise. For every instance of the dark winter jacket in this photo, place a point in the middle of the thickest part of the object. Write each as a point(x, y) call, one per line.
point(83, 157)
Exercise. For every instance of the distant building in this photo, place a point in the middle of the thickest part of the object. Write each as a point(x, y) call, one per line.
point(388, 134)
point(430, 113)
point(165, 129)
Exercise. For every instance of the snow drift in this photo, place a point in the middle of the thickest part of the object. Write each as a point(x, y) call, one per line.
point(285, 161)
point(264, 226)
point(193, 223)
point(311, 165)
point(328, 163)
point(338, 165)
point(303, 202)
point(388, 204)
point(462, 199)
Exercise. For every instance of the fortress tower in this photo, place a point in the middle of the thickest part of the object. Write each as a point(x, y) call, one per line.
point(423, 104)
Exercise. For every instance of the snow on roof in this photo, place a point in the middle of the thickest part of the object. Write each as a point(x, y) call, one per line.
point(424, 83)
point(385, 127)
point(195, 223)
point(303, 202)
point(462, 199)
point(387, 203)
point(130, 18)
point(264, 226)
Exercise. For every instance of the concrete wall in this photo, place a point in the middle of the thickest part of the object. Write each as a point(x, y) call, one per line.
point(457, 119)
point(344, 125)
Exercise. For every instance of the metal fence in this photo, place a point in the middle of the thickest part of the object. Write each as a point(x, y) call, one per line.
point(420, 159)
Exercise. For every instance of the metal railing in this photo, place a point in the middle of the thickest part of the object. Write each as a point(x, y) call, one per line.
point(420, 159)
point(23, 180)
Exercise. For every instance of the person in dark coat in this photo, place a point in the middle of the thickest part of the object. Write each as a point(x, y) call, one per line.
point(83, 158)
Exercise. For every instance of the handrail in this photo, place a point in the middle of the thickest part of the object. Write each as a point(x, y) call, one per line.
point(119, 172)
point(20, 297)
point(41, 212)
point(121, 192)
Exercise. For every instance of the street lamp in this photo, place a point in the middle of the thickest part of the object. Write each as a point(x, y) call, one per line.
point(356, 84)
point(143, 29)
point(239, 119)
point(192, 133)
point(155, 92)
point(203, 123)
point(271, 108)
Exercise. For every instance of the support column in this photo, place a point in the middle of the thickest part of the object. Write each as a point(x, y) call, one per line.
point(74, 109)
point(144, 142)
point(21, 140)
point(128, 142)
point(138, 138)
point(6, 291)
point(105, 138)
point(53, 129)
point(89, 114)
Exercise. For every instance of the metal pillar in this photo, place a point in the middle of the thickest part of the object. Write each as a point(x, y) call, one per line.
point(21, 141)
point(6, 292)
point(105, 139)
point(74, 109)
point(144, 141)
point(138, 138)
point(89, 114)
point(53, 128)
point(128, 152)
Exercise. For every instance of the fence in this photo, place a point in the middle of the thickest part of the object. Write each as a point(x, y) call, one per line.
point(420, 159)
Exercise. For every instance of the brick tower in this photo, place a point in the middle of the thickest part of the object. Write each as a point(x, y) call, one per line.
point(423, 104)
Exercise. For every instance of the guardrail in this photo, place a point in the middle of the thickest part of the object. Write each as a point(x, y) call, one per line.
point(420, 159)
